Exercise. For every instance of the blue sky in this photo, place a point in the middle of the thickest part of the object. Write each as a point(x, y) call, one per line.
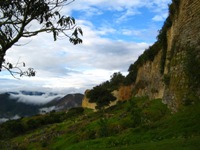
point(116, 32)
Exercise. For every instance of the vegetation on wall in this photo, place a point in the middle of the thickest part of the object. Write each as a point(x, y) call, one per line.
point(162, 39)
point(174, 8)
point(166, 79)
point(161, 44)
point(162, 36)
point(148, 55)
point(192, 65)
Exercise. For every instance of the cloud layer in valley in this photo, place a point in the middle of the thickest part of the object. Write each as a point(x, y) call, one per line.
point(35, 99)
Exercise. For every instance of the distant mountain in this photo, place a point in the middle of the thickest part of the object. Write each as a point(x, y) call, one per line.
point(11, 106)
point(69, 101)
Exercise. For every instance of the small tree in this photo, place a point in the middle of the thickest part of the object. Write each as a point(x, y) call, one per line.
point(16, 17)
point(101, 96)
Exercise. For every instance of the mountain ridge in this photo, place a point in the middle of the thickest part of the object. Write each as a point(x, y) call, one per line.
point(11, 106)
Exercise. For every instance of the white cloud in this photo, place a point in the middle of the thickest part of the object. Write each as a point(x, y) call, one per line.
point(157, 18)
point(61, 65)
point(106, 30)
point(47, 109)
point(2, 120)
point(127, 8)
point(131, 32)
point(34, 99)
point(160, 17)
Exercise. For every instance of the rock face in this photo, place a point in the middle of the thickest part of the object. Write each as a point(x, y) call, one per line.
point(124, 93)
point(179, 57)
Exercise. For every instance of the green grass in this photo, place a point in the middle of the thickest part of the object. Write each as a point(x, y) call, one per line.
point(116, 128)
point(114, 144)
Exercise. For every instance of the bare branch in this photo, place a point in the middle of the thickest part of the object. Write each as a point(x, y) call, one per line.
point(16, 70)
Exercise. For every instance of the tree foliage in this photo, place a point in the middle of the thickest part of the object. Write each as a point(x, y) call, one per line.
point(17, 16)
point(116, 80)
point(101, 96)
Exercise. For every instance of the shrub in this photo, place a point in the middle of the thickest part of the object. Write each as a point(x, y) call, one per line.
point(74, 112)
point(103, 127)
point(135, 113)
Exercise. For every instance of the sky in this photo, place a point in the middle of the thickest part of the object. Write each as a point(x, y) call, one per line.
point(115, 33)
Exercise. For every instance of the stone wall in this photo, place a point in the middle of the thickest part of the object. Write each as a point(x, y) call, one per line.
point(184, 35)
point(173, 86)
point(149, 80)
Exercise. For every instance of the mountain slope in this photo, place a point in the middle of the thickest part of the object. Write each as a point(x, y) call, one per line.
point(69, 101)
point(10, 107)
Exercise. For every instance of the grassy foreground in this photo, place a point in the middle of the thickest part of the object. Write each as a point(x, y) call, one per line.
point(140, 124)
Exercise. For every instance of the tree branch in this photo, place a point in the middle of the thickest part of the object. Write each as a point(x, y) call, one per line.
point(16, 16)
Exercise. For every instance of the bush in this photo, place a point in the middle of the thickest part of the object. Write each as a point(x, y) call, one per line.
point(135, 113)
point(74, 112)
point(103, 128)
point(33, 124)
point(11, 128)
